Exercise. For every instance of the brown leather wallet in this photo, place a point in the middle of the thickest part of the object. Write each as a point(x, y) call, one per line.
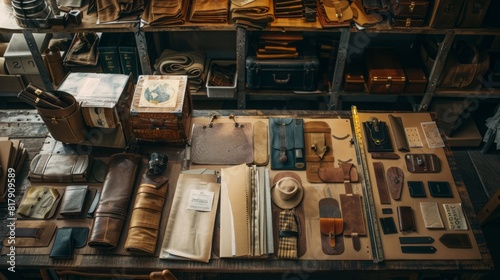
point(115, 197)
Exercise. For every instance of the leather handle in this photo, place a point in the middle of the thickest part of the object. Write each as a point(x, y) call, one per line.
point(281, 81)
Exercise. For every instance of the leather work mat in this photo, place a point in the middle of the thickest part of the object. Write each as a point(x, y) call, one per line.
point(223, 143)
point(390, 242)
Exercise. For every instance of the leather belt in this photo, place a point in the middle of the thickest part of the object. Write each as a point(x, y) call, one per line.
point(383, 193)
point(416, 240)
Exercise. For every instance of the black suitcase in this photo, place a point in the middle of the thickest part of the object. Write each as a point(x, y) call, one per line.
point(299, 73)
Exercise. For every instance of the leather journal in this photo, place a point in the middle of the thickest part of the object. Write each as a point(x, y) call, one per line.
point(113, 205)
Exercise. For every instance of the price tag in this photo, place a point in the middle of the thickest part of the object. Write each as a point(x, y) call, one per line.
point(200, 200)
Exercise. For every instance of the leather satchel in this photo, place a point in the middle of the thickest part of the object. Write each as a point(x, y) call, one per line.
point(83, 50)
point(287, 144)
point(115, 198)
point(59, 168)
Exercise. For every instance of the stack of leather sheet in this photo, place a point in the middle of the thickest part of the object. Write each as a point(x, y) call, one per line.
point(170, 12)
point(278, 45)
point(208, 11)
point(258, 13)
point(113, 10)
point(190, 63)
point(288, 8)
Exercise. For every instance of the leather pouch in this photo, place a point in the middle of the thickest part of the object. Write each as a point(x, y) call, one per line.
point(83, 50)
point(115, 197)
point(60, 168)
point(73, 200)
point(319, 152)
point(66, 124)
point(146, 217)
point(377, 136)
point(287, 144)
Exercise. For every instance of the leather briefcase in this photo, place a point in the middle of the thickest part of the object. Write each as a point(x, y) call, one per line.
point(445, 13)
point(407, 8)
point(473, 13)
point(385, 73)
point(283, 74)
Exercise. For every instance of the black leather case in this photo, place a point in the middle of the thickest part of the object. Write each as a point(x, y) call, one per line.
point(377, 140)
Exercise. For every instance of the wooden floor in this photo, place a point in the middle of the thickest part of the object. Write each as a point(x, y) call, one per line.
point(480, 173)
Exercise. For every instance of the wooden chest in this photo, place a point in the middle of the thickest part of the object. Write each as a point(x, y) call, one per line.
point(161, 109)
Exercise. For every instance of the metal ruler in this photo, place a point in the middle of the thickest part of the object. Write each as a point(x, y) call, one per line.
point(377, 250)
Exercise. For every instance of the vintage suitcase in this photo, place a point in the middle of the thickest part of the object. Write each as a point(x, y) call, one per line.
point(445, 13)
point(407, 8)
point(407, 22)
point(283, 74)
point(473, 13)
point(354, 80)
point(161, 109)
point(385, 73)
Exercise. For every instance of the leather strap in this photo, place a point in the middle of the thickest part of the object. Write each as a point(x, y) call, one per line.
point(383, 193)
point(349, 176)
point(260, 143)
point(29, 232)
point(456, 240)
point(395, 181)
point(354, 223)
point(416, 240)
point(385, 155)
point(418, 249)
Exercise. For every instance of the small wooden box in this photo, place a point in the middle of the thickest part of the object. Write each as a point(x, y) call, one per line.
point(161, 109)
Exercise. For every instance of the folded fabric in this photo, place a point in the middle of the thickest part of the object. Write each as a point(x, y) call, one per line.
point(189, 63)
point(257, 14)
point(165, 12)
point(209, 11)
point(112, 10)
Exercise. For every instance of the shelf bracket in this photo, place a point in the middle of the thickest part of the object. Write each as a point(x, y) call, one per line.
point(338, 72)
point(37, 57)
point(142, 49)
point(436, 70)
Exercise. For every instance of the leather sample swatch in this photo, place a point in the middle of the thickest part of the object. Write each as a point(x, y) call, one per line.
point(377, 136)
point(260, 143)
point(388, 225)
point(39, 203)
point(418, 249)
point(63, 245)
point(383, 192)
point(440, 189)
point(456, 240)
point(406, 219)
point(354, 222)
point(40, 233)
point(399, 133)
point(422, 163)
point(430, 214)
point(73, 200)
point(416, 188)
point(115, 199)
point(319, 150)
point(395, 181)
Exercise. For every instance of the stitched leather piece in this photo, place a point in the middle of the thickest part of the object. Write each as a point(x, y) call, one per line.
point(377, 136)
point(354, 223)
point(383, 192)
point(395, 181)
point(406, 219)
point(399, 133)
point(422, 163)
point(260, 143)
point(60, 168)
point(287, 144)
point(331, 222)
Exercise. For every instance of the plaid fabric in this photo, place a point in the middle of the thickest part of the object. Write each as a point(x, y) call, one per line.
point(289, 232)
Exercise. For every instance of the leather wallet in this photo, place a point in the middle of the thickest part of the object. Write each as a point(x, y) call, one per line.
point(63, 246)
point(73, 200)
point(60, 168)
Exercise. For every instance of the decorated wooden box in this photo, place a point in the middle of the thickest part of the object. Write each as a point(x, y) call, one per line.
point(161, 109)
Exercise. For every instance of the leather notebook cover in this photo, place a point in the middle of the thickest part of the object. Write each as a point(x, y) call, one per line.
point(73, 200)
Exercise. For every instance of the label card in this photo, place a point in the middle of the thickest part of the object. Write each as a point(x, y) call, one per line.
point(431, 133)
point(455, 216)
point(200, 200)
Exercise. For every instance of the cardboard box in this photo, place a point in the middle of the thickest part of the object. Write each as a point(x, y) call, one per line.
point(161, 109)
point(18, 57)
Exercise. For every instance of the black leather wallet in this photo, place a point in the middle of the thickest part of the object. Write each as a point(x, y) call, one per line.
point(63, 245)
point(377, 135)
point(406, 219)
point(416, 188)
point(73, 200)
point(440, 189)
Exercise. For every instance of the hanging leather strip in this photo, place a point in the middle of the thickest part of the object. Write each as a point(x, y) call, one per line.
point(260, 143)
point(399, 133)
point(395, 181)
point(385, 155)
point(354, 223)
point(350, 175)
point(383, 193)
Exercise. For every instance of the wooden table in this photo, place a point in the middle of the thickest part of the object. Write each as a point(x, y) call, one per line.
point(30, 129)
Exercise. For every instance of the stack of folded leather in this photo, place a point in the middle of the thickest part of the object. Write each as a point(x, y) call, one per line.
point(165, 12)
point(115, 10)
point(208, 11)
point(278, 45)
point(288, 8)
point(190, 63)
point(258, 13)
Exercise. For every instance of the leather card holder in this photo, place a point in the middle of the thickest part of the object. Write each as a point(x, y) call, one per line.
point(63, 246)
point(440, 189)
point(388, 225)
point(416, 189)
point(73, 200)
point(406, 219)
point(422, 163)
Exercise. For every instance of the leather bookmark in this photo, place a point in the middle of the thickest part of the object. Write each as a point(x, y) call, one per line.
point(395, 181)
point(383, 193)
point(399, 133)
point(260, 143)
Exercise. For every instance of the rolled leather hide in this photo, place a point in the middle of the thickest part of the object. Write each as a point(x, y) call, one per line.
point(116, 192)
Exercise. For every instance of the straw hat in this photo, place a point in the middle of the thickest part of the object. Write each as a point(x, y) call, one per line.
point(287, 190)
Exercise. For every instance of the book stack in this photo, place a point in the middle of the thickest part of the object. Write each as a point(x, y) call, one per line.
point(12, 157)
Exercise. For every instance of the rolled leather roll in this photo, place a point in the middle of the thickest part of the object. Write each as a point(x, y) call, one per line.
point(116, 192)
